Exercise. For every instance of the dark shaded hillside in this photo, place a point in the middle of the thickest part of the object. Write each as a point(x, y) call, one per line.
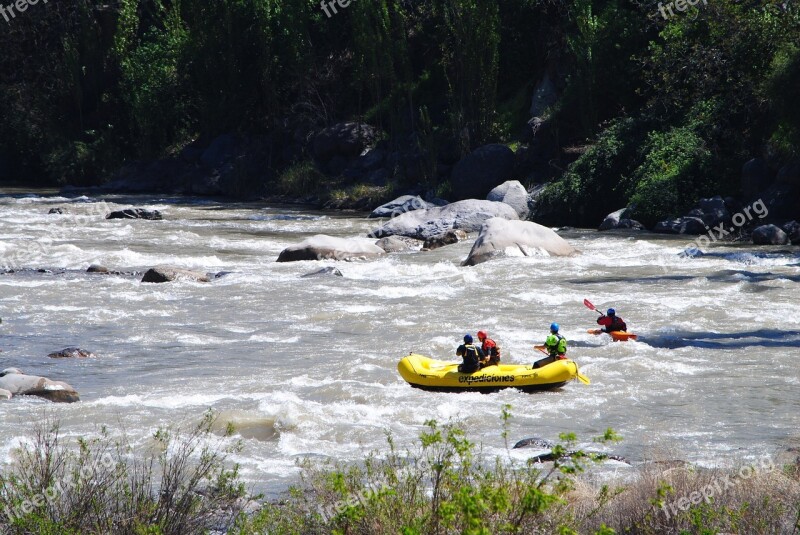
point(609, 99)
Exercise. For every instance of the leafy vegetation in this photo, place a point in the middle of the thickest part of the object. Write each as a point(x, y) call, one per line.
point(645, 103)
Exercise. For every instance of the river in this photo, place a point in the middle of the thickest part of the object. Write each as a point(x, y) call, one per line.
point(307, 366)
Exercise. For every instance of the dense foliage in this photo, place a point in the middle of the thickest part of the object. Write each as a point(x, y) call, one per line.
point(648, 105)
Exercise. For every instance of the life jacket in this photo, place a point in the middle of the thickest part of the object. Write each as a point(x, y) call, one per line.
point(556, 344)
point(471, 358)
point(490, 348)
point(610, 323)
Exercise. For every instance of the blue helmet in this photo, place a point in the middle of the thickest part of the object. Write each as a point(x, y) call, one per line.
point(554, 327)
point(467, 338)
point(611, 312)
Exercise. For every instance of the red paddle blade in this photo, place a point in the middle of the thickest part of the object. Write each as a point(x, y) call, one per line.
point(589, 304)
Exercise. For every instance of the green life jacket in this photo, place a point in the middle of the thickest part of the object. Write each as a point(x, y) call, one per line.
point(556, 344)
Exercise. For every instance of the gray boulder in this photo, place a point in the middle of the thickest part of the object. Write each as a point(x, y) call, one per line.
point(514, 194)
point(467, 215)
point(481, 170)
point(792, 230)
point(500, 237)
point(681, 225)
point(170, 273)
point(16, 383)
point(135, 213)
point(347, 140)
point(393, 244)
point(612, 220)
point(714, 211)
point(323, 247)
point(448, 238)
point(401, 205)
point(769, 235)
point(72, 353)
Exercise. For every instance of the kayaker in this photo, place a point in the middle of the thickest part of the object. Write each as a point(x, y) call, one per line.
point(471, 354)
point(611, 322)
point(490, 350)
point(555, 345)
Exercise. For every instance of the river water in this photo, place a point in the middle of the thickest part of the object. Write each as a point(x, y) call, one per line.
point(307, 366)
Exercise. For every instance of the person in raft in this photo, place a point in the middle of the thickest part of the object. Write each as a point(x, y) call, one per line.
point(490, 350)
point(556, 346)
point(471, 354)
point(611, 322)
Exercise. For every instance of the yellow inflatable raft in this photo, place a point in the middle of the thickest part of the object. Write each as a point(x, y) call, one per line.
point(429, 374)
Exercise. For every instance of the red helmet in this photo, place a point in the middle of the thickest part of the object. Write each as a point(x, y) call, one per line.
point(482, 335)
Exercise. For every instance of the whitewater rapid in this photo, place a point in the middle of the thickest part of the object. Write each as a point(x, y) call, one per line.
point(307, 366)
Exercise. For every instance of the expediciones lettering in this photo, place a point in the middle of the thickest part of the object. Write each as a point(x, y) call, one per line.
point(486, 379)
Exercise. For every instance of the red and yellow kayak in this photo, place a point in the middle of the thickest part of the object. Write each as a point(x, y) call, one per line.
point(617, 336)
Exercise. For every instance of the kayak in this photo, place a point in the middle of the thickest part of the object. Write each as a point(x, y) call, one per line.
point(435, 375)
point(617, 336)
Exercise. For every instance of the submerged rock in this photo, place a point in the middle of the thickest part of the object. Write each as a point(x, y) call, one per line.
point(170, 273)
point(72, 353)
point(467, 215)
point(135, 213)
point(498, 237)
point(16, 383)
point(401, 205)
point(323, 247)
point(543, 444)
point(393, 244)
point(448, 238)
point(96, 268)
point(56, 210)
point(324, 272)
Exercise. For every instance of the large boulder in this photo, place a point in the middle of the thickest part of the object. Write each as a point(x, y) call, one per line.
point(612, 220)
point(401, 205)
point(514, 194)
point(323, 247)
point(792, 230)
point(756, 177)
point(17, 383)
point(135, 213)
point(714, 211)
point(467, 215)
point(347, 140)
point(481, 170)
point(171, 273)
point(769, 235)
point(500, 237)
point(681, 225)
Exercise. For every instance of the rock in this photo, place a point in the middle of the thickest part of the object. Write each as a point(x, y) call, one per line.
point(72, 353)
point(17, 383)
point(401, 205)
point(467, 215)
point(448, 238)
point(220, 151)
point(714, 211)
point(5, 394)
point(96, 268)
point(323, 247)
point(681, 225)
point(499, 237)
point(171, 273)
point(392, 244)
point(481, 170)
point(756, 177)
point(533, 442)
point(135, 213)
point(329, 271)
point(630, 224)
point(57, 210)
point(514, 194)
point(789, 173)
point(769, 235)
point(612, 220)
point(792, 230)
point(347, 140)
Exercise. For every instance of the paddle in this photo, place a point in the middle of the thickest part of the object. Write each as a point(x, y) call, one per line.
point(590, 306)
point(582, 378)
